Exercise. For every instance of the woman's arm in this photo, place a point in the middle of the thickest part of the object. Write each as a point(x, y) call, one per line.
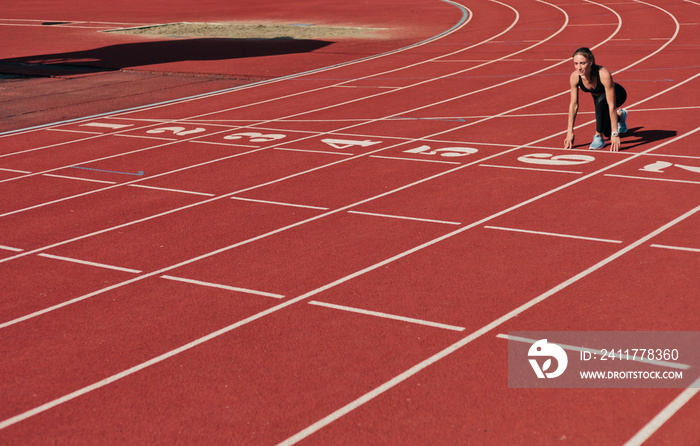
point(573, 110)
point(606, 78)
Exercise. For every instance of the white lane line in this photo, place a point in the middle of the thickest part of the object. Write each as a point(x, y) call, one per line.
point(669, 155)
point(401, 217)
point(668, 180)
point(56, 26)
point(191, 166)
point(553, 234)
point(530, 168)
point(210, 254)
point(279, 203)
point(671, 365)
point(677, 248)
point(85, 262)
point(520, 115)
point(454, 98)
point(413, 159)
point(10, 248)
point(662, 417)
point(106, 125)
point(111, 379)
point(44, 311)
point(215, 143)
point(367, 397)
point(466, 18)
point(441, 77)
point(262, 314)
point(165, 189)
point(387, 316)
point(306, 112)
point(158, 138)
point(366, 86)
point(71, 21)
point(493, 86)
point(13, 170)
point(82, 132)
point(398, 69)
point(398, 379)
point(223, 287)
point(87, 138)
point(658, 109)
point(65, 177)
point(314, 151)
point(661, 48)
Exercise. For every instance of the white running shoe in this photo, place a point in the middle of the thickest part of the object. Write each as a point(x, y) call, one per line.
point(598, 143)
point(622, 121)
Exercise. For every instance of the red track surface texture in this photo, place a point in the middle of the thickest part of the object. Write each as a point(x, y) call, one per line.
point(330, 257)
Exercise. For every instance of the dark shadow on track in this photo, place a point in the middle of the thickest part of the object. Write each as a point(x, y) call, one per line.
point(128, 55)
point(635, 137)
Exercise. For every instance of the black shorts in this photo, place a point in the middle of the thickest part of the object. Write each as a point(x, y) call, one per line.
point(602, 113)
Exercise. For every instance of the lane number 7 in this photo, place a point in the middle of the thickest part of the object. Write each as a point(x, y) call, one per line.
point(659, 166)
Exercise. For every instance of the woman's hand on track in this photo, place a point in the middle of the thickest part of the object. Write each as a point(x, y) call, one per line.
point(569, 141)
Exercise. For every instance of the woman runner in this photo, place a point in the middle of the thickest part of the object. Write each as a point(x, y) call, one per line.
point(607, 97)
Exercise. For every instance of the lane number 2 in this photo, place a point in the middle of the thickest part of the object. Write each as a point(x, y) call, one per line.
point(177, 131)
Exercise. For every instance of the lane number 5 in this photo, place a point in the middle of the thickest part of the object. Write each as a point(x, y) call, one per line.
point(448, 152)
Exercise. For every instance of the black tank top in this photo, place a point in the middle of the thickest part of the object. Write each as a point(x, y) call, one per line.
point(599, 88)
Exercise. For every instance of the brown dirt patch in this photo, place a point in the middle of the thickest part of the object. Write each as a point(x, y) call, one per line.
point(250, 31)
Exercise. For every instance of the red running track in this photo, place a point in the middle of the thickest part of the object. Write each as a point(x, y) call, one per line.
point(334, 257)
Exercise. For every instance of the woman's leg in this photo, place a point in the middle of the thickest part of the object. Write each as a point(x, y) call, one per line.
point(602, 115)
point(620, 97)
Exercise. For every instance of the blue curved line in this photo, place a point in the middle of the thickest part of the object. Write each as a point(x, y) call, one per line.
point(462, 20)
